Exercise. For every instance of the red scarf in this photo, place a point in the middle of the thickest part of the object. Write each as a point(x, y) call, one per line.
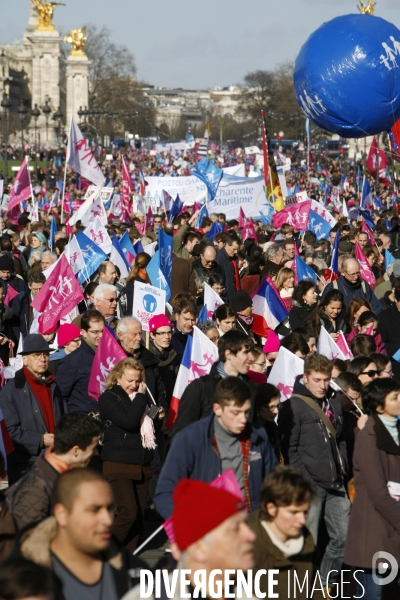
point(236, 274)
point(42, 392)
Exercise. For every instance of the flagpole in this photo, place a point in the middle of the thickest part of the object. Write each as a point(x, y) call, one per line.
point(65, 172)
point(29, 175)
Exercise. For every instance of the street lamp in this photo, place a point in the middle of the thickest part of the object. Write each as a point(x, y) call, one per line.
point(46, 109)
point(35, 114)
point(22, 110)
point(6, 105)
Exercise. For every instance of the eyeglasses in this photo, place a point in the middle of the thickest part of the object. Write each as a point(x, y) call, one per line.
point(387, 372)
point(274, 407)
point(371, 373)
point(209, 262)
point(263, 365)
point(111, 300)
point(353, 274)
point(167, 333)
point(95, 333)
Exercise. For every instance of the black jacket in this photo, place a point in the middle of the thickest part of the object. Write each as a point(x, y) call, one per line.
point(306, 444)
point(226, 264)
point(122, 439)
point(389, 328)
point(178, 342)
point(204, 274)
point(73, 380)
point(168, 366)
point(198, 398)
point(340, 324)
point(386, 302)
point(299, 314)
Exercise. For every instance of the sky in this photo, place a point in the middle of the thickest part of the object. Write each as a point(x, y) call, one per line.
point(198, 45)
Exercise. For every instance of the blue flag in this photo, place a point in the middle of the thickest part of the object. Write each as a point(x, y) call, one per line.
point(127, 248)
point(175, 208)
point(335, 254)
point(92, 254)
point(60, 185)
point(367, 218)
point(165, 254)
point(318, 225)
point(53, 230)
point(366, 196)
point(215, 229)
point(264, 219)
point(378, 202)
point(156, 276)
point(389, 259)
point(304, 271)
point(202, 318)
point(203, 213)
point(138, 247)
point(209, 174)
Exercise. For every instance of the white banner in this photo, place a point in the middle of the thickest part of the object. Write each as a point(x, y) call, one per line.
point(147, 302)
point(246, 193)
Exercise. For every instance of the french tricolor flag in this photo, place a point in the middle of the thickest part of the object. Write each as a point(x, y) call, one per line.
point(268, 309)
point(181, 383)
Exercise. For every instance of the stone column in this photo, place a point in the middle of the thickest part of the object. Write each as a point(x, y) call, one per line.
point(77, 86)
point(45, 79)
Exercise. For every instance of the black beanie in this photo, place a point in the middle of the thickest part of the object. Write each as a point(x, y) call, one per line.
point(240, 300)
point(6, 263)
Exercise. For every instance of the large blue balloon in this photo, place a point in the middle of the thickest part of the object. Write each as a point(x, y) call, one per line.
point(347, 76)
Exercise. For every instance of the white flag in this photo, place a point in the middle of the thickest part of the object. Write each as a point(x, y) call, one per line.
point(96, 209)
point(80, 157)
point(286, 368)
point(328, 347)
point(345, 211)
point(74, 255)
point(211, 299)
point(98, 234)
point(204, 355)
point(81, 212)
point(34, 214)
point(150, 249)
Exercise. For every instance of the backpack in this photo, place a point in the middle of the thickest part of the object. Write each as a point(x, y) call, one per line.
point(363, 286)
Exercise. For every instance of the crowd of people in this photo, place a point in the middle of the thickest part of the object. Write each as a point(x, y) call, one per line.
point(314, 478)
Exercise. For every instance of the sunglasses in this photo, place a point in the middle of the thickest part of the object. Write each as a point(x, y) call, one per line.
point(371, 373)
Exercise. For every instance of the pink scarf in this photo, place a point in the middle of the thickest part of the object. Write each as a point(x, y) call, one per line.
point(146, 429)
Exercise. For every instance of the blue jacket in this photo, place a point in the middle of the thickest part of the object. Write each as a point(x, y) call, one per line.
point(192, 455)
point(73, 380)
point(361, 289)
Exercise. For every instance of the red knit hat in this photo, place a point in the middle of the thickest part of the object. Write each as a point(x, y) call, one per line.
point(199, 508)
point(66, 333)
point(159, 321)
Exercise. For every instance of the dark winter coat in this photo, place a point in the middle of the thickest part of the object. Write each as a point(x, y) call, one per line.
point(73, 380)
point(305, 442)
point(375, 516)
point(24, 420)
point(389, 328)
point(23, 314)
point(168, 366)
point(386, 302)
point(182, 277)
point(299, 314)
point(226, 264)
point(178, 342)
point(198, 398)
point(203, 274)
point(29, 500)
point(361, 289)
point(122, 439)
point(192, 455)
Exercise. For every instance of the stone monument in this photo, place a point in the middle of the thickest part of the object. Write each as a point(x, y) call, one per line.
point(77, 74)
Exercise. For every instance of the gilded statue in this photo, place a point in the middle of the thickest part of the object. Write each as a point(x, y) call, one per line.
point(45, 11)
point(77, 39)
point(367, 9)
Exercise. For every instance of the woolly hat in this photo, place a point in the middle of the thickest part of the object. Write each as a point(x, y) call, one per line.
point(159, 321)
point(67, 333)
point(6, 263)
point(199, 508)
point(40, 236)
point(240, 300)
point(273, 342)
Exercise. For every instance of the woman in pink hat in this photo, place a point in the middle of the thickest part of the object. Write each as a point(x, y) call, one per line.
point(68, 339)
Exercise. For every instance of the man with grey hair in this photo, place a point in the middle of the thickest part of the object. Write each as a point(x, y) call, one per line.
point(274, 255)
point(129, 335)
point(105, 301)
point(48, 259)
point(352, 286)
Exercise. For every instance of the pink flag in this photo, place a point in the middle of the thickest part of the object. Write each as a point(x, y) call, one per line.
point(59, 295)
point(11, 293)
point(366, 229)
point(249, 231)
point(296, 216)
point(141, 227)
point(242, 218)
point(127, 188)
point(20, 191)
point(365, 269)
point(68, 229)
point(196, 207)
point(343, 346)
point(80, 157)
point(108, 354)
point(370, 330)
point(149, 219)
